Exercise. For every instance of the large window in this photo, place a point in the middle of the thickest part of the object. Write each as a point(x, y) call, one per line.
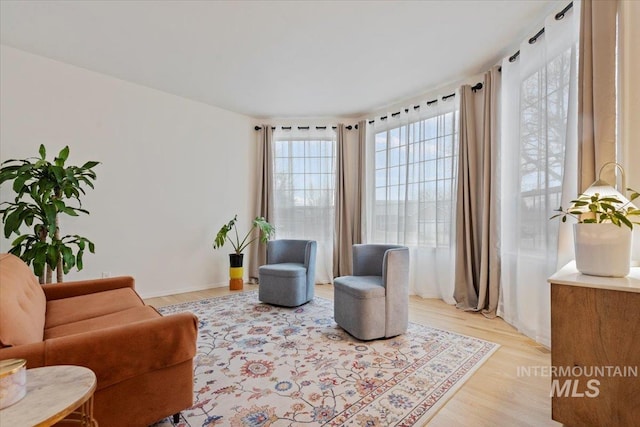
point(304, 191)
point(415, 170)
point(304, 185)
point(544, 103)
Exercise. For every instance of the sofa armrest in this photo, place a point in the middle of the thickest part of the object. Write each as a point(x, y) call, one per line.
point(118, 353)
point(83, 287)
point(33, 353)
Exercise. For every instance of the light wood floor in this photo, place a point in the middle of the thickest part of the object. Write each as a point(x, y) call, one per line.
point(495, 395)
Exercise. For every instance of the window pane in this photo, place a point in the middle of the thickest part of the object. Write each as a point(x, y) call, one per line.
point(381, 159)
point(414, 179)
point(304, 186)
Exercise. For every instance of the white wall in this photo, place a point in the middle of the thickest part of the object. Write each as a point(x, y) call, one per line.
point(173, 170)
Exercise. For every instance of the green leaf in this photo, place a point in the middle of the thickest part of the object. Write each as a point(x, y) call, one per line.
point(50, 214)
point(607, 206)
point(62, 156)
point(19, 240)
point(68, 259)
point(58, 172)
point(42, 151)
point(79, 262)
point(266, 229)
point(611, 200)
point(59, 205)
point(90, 165)
point(71, 211)
point(19, 182)
point(12, 223)
point(52, 256)
point(39, 262)
point(223, 233)
point(86, 181)
point(623, 219)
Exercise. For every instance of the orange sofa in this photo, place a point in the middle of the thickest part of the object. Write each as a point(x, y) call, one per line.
point(142, 360)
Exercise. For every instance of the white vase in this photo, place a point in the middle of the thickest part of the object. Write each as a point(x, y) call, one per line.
point(602, 249)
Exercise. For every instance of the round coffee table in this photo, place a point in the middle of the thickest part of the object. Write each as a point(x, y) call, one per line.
point(53, 394)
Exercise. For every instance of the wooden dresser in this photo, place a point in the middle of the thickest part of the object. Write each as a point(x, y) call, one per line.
point(595, 349)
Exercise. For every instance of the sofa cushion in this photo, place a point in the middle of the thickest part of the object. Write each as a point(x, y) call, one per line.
point(22, 303)
point(124, 317)
point(82, 307)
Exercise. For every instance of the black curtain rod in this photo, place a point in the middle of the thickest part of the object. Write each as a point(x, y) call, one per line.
point(534, 39)
point(307, 127)
point(474, 88)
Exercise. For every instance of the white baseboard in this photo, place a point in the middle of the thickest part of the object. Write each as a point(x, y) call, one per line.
point(175, 291)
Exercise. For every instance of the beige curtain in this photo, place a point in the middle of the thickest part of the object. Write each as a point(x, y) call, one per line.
point(477, 261)
point(358, 231)
point(264, 203)
point(342, 241)
point(596, 90)
point(348, 204)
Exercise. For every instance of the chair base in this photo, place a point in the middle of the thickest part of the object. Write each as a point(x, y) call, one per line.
point(362, 318)
point(287, 292)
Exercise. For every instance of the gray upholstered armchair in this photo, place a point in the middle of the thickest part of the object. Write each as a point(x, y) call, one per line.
point(288, 277)
point(374, 302)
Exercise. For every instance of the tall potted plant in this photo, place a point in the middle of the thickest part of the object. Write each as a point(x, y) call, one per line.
point(44, 191)
point(602, 235)
point(236, 271)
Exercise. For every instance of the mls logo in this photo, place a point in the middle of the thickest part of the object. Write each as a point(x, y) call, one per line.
point(571, 388)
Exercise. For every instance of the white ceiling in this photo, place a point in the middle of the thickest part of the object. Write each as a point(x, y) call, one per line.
point(271, 59)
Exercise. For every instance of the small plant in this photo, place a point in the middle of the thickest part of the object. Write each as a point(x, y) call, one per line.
point(265, 231)
point(596, 210)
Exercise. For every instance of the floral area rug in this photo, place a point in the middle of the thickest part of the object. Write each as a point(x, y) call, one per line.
point(260, 365)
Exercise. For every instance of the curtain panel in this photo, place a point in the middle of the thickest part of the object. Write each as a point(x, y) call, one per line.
point(348, 200)
point(477, 260)
point(597, 94)
point(411, 164)
point(538, 162)
point(359, 225)
point(264, 204)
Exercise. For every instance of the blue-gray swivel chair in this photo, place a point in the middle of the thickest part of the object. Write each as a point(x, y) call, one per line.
point(288, 277)
point(374, 302)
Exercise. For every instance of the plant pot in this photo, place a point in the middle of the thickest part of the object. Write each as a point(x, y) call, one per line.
point(236, 272)
point(602, 249)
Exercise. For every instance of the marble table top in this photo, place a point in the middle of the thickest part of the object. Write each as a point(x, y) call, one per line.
point(53, 392)
point(570, 276)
